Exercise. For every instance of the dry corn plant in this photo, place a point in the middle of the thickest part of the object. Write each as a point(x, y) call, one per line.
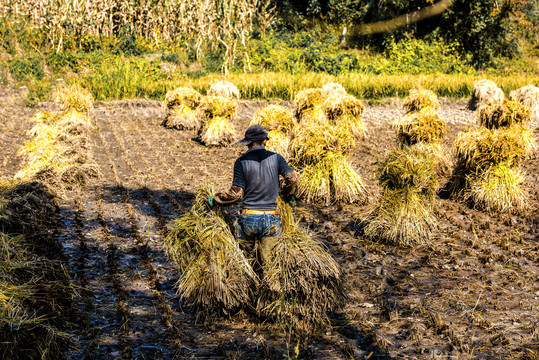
point(418, 99)
point(215, 274)
point(202, 25)
point(302, 281)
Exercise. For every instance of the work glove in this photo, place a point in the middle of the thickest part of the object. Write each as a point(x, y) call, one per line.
point(211, 202)
point(291, 200)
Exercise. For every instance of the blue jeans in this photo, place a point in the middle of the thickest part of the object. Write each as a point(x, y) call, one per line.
point(258, 234)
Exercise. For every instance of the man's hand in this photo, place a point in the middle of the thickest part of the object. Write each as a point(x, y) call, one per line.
point(291, 200)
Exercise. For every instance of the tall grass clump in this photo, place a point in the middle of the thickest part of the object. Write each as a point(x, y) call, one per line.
point(486, 173)
point(181, 105)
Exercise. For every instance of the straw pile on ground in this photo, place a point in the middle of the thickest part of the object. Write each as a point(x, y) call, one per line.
point(505, 113)
point(280, 123)
point(298, 286)
point(74, 97)
point(528, 96)
point(225, 89)
point(302, 281)
point(326, 176)
point(181, 105)
point(402, 215)
point(309, 106)
point(333, 89)
point(483, 92)
point(216, 128)
point(345, 111)
point(419, 99)
point(58, 153)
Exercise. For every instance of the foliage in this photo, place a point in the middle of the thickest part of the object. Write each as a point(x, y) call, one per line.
point(39, 90)
point(24, 68)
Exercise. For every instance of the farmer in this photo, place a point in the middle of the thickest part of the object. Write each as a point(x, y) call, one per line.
point(256, 180)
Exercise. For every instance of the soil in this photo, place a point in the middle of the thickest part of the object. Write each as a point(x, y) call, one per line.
point(473, 293)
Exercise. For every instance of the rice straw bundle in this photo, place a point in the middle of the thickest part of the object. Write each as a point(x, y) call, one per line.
point(225, 89)
point(502, 114)
point(311, 143)
point(497, 189)
point(181, 117)
point(275, 117)
point(483, 92)
point(345, 111)
point(74, 97)
point(309, 105)
point(400, 217)
point(182, 96)
point(419, 99)
point(212, 106)
point(279, 142)
point(333, 89)
point(528, 96)
point(477, 150)
point(216, 131)
point(420, 126)
point(302, 281)
point(216, 275)
point(315, 183)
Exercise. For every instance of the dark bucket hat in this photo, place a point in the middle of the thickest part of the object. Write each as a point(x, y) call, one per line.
point(253, 133)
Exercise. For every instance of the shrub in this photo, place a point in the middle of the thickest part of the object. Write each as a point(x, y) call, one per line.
point(27, 68)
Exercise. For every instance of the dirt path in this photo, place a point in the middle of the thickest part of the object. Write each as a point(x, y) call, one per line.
point(473, 293)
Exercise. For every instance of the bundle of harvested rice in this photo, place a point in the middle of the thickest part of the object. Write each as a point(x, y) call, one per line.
point(345, 111)
point(212, 106)
point(410, 169)
point(346, 184)
point(310, 143)
point(74, 97)
point(497, 189)
point(181, 117)
point(216, 131)
point(302, 281)
point(477, 150)
point(528, 96)
point(420, 126)
point(483, 92)
point(419, 99)
point(182, 96)
point(502, 114)
point(275, 117)
point(333, 89)
point(309, 105)
point(400, 217)
point(279, 142)
point(315, 183)
point(224, 88)
point(216, 275)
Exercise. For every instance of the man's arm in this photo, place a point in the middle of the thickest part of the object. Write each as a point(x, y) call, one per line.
point(290, 184)
point(230, 196)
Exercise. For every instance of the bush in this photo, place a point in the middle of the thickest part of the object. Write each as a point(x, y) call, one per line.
point(27, 68)
point(59, 61)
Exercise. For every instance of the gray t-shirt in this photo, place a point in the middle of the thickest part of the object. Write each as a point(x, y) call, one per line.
point(257, 173)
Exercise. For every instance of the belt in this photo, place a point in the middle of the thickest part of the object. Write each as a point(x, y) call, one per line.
point(259, 212)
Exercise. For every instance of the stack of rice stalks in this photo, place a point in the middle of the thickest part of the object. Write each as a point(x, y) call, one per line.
point(326, 176)
point(528, 96)
point(302, 281)
point(328, 129)
point(280, 123)
point(299, 284)
point(216, 113)
point(181, 105)
point(483, 92)
point(486, 172)
point(216, 276)
point(58, 153)
point(225, 89)
point(402, 215)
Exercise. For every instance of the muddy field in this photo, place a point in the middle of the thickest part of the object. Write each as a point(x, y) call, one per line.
point(471, 294)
